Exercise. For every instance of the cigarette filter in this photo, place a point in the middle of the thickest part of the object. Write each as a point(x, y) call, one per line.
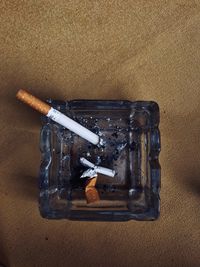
point(91, 192)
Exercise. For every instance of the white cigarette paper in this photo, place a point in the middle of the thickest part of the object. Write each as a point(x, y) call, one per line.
point(73, 126)
point(96, 169)
point(105, 171)
point(90, 173)
point(86, 163)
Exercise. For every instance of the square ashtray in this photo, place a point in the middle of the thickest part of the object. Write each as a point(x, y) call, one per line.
point(131, 148)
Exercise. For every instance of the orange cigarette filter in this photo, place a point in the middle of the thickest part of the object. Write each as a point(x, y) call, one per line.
point(33, 101)
point(91, 182)
point(91, 192)
point(92, 195)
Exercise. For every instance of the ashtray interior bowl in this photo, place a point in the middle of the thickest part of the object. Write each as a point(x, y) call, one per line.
point(132, 146)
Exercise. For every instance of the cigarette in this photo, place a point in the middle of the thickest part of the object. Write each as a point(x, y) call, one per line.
point(58, 117)
point(97, 169)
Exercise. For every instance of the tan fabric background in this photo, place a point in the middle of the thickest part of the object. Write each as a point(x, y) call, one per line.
point(111, 50)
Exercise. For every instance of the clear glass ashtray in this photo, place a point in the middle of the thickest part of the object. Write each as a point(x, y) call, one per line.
point(131, 148)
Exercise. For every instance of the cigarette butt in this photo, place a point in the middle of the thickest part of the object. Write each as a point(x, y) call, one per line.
point(92, 194)
point(33, 101)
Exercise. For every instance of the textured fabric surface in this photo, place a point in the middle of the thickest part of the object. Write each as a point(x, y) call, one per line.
point(136, 50)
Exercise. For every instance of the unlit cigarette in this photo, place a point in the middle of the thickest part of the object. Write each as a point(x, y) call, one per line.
point(96, 169)
point(58, 117)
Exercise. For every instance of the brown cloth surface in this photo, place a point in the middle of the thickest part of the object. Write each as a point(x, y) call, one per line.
point(147, 50)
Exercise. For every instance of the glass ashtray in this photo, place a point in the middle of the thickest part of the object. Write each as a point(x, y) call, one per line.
point(131, 148)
